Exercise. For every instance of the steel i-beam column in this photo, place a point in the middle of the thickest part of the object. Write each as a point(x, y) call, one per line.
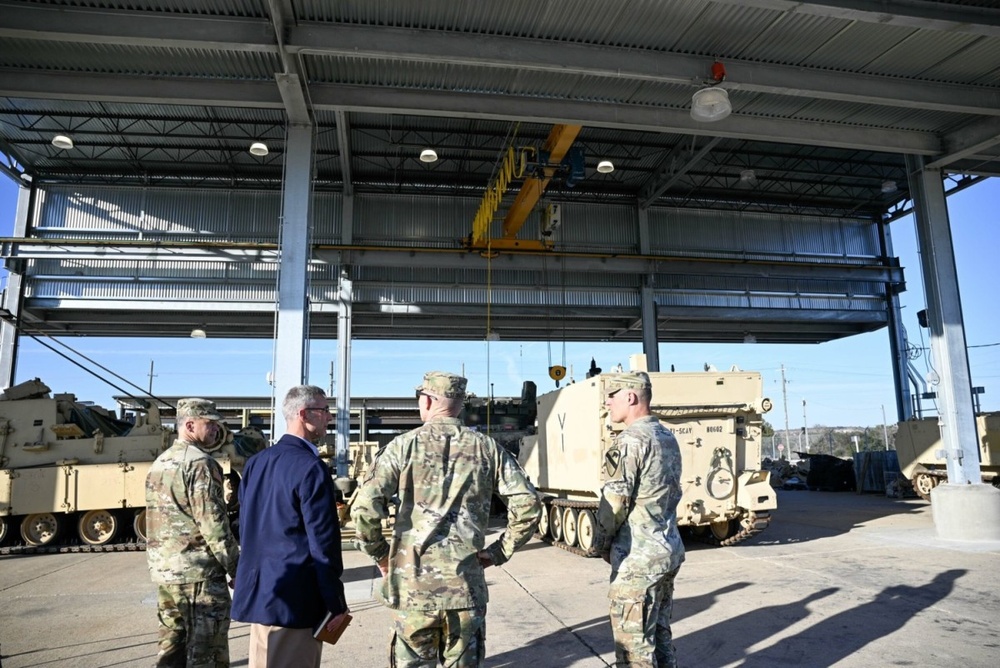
point(345, 304)
point(650, 321)
point(292, 336)
point(964, 508)
point(13, 294)
point(897, 340)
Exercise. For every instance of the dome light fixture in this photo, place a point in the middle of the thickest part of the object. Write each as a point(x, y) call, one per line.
point(605, 167)
point(428, 155)
point(199, 332)
point(710, 104)
point(888, 187)
point(62, 142)
point(258, 148)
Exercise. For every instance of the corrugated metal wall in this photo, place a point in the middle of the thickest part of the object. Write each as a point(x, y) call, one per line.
point(439, 222)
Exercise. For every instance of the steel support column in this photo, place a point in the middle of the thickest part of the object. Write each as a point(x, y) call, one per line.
point(292, 333)
point(13, 292)
point(897, 337)
point(650, 340)
point(345, 303)
point(650, 319)
point(944, 317)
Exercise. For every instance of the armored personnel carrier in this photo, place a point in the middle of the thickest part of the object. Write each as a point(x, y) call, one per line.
point(716, 418)
point(74, 472)
point(921, 452)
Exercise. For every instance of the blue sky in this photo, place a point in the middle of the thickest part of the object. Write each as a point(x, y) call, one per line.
point(844, 383)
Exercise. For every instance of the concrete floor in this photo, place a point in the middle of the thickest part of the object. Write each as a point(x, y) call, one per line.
point(838, 579)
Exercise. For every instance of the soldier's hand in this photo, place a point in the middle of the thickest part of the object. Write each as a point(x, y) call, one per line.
point(485, 560)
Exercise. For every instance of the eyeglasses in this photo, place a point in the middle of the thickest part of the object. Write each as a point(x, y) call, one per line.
point(325, 409)
point(421, 393)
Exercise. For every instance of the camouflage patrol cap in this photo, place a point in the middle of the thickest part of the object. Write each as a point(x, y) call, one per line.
point(197, 408)
point(443, 384)
point(637, 380)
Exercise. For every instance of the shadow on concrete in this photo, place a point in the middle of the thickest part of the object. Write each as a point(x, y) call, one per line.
point(360, 573)
point(822, 644)
point(561, 648)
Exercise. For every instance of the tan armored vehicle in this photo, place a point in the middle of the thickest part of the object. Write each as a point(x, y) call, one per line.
point(68, 468)
point(716, 418)
point(921, 456)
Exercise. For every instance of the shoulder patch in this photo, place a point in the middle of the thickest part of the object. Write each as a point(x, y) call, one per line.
point(612, 462)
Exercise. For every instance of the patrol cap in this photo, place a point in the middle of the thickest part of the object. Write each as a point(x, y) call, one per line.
point(197, 408)
point(638, 380)
point(443, 384)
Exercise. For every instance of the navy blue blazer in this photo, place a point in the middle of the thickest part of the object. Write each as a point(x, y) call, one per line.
point(290, 563)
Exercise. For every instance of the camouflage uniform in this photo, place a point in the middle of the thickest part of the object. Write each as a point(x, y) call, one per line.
point(444, 476)
point(638, 521)
point(190, 550)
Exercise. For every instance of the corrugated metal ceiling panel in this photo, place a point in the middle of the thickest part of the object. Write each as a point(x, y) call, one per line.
point(148, 61)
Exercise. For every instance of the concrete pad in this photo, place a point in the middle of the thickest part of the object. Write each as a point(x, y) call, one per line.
point(838, 579)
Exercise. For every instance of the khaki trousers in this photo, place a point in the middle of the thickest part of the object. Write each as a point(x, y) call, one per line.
point(278, 647)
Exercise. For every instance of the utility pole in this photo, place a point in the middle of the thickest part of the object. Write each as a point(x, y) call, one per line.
point(332, 377)
point(151, 376)
point(784, 399)
point(885, 429)
point(805, 424)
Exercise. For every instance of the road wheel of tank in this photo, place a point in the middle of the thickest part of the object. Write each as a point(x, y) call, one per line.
point(139, 524)
point(5, 523)
point(569, 526)
point(543, 521)
point(723, 529)
point(555, 522)
point(923, 483)
point(586, 530)
point(40, 529)
point(97, 527)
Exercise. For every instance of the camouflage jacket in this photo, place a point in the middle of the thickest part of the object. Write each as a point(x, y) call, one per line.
point(187, 529)
point(443, 476)
point(638, 508)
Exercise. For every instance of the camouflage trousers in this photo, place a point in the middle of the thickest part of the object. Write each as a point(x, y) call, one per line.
point(640, 622)
point(194, 624)
point(428, 638)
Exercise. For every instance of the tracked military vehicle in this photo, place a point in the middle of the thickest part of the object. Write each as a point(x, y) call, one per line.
point(73, 472)
point(716, 418)
point(922, 458)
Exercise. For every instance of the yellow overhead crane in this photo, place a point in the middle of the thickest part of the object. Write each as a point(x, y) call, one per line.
point(557, 144)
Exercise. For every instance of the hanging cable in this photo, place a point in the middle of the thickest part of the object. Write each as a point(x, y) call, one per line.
point(22, 327)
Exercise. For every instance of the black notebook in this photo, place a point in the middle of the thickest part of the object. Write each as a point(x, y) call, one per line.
point(321, 632)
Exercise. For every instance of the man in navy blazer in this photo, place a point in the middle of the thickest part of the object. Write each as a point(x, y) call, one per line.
point(290, 561)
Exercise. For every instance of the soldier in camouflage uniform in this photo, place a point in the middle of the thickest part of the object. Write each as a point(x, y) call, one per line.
point(190, 547)
point(638, 521)
point(444, 476)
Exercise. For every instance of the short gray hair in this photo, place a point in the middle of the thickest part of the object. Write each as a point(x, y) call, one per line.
point(298, 398)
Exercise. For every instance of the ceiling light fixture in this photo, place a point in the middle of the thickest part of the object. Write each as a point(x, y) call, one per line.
point(888, 187)
point(258, 148)
point(749, 338)
point(428, 155)
point(62, 142)
point(199, 333)
point(712, 103)
point(605, 167)
point(748, 176)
